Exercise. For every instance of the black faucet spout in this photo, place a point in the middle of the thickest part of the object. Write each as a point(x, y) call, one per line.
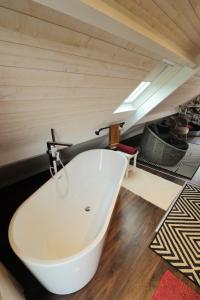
point(49, 144)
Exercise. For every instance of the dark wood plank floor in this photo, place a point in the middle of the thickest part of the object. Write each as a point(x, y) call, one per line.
point(128, 269)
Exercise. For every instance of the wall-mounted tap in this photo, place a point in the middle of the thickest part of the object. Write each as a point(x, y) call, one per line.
point(108, 127)
point(53, 152)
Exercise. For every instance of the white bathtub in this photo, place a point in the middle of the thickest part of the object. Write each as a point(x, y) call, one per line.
point(52, 233)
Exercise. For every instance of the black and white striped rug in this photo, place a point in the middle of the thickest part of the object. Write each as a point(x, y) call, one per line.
point(178, 239)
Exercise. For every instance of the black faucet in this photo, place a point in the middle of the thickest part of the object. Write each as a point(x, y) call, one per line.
point(53, 153)
point(49, 144)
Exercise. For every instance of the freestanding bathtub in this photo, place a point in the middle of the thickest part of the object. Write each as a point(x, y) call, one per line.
point(59, 231)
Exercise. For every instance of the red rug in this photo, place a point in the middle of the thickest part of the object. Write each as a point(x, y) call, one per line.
point(171, 288)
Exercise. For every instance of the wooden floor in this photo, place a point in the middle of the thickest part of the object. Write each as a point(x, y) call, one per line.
point(128, 269)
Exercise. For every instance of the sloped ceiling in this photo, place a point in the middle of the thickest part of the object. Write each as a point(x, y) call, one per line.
point(176, 22)
point(183, 94)
point(60, 72)
point(149, 23)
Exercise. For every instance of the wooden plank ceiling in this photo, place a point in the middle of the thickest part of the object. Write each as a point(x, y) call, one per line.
point(168, 22)
point(58, 72)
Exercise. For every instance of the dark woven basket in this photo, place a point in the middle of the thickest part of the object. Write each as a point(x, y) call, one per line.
point(158, 151)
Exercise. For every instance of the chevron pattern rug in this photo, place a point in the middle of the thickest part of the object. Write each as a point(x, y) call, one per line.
point(178, 239)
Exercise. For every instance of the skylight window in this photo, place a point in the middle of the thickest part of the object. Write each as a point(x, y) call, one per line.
point(139, 89)
point(154, 81)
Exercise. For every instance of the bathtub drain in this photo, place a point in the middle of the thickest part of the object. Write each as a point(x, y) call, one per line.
point(87, 208)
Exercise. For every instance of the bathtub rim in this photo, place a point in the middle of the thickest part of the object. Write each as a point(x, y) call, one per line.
point(86, 249)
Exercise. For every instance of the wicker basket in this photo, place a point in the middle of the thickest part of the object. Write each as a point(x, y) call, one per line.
point(158, 151)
